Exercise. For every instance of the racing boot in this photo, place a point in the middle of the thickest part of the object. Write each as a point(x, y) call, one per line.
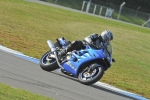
point(62, 53)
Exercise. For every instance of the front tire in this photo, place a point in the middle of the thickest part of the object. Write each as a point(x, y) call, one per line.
point(47, 62)
point(88, 78)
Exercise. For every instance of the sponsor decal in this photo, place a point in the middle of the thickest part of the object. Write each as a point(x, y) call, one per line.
point(71, 66)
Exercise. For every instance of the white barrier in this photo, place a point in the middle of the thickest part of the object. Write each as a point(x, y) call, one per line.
point(147, 22)
point(87, 5)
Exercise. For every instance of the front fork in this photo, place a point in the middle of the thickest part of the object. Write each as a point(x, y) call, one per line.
point(53, 49)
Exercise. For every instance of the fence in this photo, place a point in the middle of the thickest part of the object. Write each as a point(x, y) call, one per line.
point(107, 10)
point(115, 12)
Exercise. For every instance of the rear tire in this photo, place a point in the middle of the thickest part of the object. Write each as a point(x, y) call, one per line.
point(48, 63)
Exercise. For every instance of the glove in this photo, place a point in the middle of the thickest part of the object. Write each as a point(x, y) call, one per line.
point(113, 60)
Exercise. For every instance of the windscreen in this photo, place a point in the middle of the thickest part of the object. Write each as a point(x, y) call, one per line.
point(110, 48)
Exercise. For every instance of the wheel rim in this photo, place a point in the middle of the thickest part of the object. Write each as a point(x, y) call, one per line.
point(47, 60)
point(88, 76)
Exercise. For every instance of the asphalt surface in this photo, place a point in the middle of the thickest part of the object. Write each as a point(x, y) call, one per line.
point(27, 75)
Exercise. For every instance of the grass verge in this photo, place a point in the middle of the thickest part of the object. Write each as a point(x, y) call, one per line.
point(11, 93)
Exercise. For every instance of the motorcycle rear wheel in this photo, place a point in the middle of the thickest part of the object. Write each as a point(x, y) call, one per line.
point(89, 78)
point(47, 62)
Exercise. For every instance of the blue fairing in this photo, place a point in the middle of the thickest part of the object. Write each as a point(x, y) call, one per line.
point(78, 58)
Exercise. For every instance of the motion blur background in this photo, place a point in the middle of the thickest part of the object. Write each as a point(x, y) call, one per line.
point(131, 11)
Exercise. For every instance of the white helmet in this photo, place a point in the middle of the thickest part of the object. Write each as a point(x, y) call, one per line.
point(107, 36)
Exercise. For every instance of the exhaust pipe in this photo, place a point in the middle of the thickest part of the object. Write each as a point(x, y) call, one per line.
point(53, 49)
point(51, 45)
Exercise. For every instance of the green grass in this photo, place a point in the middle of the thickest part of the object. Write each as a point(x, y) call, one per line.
point(26, 27)
point(126, 15)
point(11, 93)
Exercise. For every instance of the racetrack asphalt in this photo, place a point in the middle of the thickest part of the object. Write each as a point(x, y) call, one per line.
point(19, 71)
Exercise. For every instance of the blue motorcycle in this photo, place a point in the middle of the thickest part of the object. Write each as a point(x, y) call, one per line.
point(88, 65)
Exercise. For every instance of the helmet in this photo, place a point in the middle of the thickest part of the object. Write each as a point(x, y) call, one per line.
point(107, 36)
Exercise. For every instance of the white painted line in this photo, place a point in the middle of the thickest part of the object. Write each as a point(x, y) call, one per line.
point(10, 50)
point(129, 94)
point(19, 54)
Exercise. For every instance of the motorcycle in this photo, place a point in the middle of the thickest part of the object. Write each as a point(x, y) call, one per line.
point(87, 65)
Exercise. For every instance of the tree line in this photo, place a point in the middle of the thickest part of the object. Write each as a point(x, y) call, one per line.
point(140, 5)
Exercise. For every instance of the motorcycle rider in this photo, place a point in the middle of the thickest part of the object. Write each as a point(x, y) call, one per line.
point(93, 40)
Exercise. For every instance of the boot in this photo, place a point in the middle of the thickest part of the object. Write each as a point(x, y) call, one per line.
point(62, 53)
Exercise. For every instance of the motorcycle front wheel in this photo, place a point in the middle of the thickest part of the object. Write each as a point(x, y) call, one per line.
point(48, 62)
point(87, 78)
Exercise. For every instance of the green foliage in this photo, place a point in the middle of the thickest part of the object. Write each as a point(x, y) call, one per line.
point(26, 27)
point(143, 4)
